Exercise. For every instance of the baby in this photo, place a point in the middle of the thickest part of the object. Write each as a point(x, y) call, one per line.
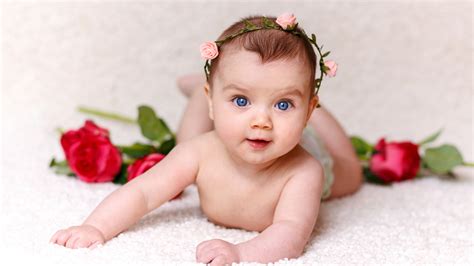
point(262, 157)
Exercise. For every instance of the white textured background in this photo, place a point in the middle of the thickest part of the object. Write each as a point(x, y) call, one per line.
point(405, 70)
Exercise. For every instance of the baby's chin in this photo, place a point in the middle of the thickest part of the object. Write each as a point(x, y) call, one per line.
point(260, 157)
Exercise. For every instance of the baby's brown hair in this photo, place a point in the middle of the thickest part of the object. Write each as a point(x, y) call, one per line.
point(269, 44)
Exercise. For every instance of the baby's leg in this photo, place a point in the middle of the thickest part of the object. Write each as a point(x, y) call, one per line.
point(189, 82)
point(195, 119)
point(347, 170)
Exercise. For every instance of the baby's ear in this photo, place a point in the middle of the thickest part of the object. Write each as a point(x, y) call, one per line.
point(313, 103)
point(208, 92)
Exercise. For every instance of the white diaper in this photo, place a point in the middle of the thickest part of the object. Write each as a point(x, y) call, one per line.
point(315, 146)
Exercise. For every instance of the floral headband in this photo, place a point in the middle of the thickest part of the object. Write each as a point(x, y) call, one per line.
point(286, 22)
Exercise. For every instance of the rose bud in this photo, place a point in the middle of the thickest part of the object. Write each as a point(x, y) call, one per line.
point(395, 161)
point(209, 50)
point(332, 68)
point(142, 165)
point(286, 20)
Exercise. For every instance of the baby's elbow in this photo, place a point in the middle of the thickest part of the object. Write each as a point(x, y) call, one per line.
point(295, 252)
point(296, 248)
point(358, 178)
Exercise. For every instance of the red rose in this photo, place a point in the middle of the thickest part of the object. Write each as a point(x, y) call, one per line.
point(395, 161)
point(141, 165)
point(90, 154)
point(94, 129)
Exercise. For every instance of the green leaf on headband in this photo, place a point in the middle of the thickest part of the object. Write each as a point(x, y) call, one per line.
point(137, 150)
point(293, 27)
point(442, 159)
point(362, 148)
point(313, 37)
point(326, 53)
point(267, 23)
point(324, 68)
point(152, 127)
point(249, 25)
point(317, 82)
point(431, 138)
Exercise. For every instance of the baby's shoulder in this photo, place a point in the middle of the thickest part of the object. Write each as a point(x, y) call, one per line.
point(302, 162)
point(201, 144)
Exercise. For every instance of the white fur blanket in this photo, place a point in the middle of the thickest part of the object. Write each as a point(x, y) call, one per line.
point(115, 56)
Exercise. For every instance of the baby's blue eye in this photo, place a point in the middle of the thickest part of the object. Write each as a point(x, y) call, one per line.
point(283, 105)
point(240, 101)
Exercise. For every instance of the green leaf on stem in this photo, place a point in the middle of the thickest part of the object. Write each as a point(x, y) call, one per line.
point(167, 146)
point(137, 150)
point(362, 148)
point(372, 178)
point(153, 127)
point(442, 159)
point(430, 138)
point(61, 167)
point(121, 177)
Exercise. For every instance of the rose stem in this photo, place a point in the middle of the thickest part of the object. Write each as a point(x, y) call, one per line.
point(107, 115)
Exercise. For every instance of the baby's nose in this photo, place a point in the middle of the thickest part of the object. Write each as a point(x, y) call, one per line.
point(261, 121)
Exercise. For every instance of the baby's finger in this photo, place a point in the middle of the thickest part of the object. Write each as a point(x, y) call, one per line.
point(218, 261)
point(63, 237)
point(95, 244)
point(207, 245)
point(82, 243)
point(208, 255)
point(202, 245)
point(55, 236)
point(70, 242)
point(201, 248)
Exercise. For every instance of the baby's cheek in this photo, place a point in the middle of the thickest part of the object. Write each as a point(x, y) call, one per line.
point(290, 138)
point(229, 130)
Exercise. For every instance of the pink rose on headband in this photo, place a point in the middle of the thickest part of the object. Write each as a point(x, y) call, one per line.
point(332, 68)
point(209, 50)
point(286, 21)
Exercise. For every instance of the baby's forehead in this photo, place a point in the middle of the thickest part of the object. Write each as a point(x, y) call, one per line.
point(248, 67)
point(235, 56)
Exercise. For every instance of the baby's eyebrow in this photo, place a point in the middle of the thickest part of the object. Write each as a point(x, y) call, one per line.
point(284, 91)
point(233, 86)
point(294, 91)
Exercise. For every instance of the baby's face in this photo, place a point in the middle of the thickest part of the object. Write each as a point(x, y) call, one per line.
point(260, 110)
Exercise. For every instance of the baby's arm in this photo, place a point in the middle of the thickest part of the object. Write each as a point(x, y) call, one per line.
point(293, 221)
point(126, 205)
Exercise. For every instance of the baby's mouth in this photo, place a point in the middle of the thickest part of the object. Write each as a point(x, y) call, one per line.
point(258, 143)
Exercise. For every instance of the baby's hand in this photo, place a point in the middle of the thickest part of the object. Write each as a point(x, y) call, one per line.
point(217, 252)
point(84, 236)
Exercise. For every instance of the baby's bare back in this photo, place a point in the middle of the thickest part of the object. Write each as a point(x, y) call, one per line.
point(232, 197)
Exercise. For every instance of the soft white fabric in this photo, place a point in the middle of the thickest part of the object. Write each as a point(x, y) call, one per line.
point(396, 58)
